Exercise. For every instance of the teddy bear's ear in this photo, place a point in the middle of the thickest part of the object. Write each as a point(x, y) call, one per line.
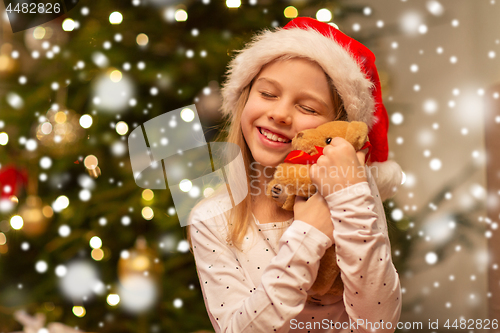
point(356, 134)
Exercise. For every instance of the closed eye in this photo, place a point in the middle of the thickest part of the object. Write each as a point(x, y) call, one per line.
point(266, 94)
point(308, 109)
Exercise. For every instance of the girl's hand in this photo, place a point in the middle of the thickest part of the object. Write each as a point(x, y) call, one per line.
point(314, 211)
point(339, 167)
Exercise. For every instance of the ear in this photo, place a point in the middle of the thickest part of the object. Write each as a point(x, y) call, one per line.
point(357, 134)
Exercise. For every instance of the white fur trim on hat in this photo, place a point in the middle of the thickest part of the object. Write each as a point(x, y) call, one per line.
point(388, 176)
point(352, 85)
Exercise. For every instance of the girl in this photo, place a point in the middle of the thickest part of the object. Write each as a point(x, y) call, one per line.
point(257, 262)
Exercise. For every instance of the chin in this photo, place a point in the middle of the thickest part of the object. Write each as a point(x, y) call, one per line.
point(268, 162)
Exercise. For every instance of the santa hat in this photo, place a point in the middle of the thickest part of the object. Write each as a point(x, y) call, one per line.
point(349, 64)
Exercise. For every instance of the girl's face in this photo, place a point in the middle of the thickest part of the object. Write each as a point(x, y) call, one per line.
point(286, 97)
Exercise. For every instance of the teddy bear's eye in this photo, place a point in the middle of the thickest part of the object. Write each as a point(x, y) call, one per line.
point(328, 140)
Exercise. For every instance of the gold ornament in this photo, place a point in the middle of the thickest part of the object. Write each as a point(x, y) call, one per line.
point(60, 129)
point(140, 261)
point(45, 38)
point(35, 216)
point(7, 64)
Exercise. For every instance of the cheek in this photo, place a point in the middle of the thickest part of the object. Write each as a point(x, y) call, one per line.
point(246, 123)
point(308, 122)
point(250, 113)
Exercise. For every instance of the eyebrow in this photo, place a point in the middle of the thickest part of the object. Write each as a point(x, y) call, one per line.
point(312, 96)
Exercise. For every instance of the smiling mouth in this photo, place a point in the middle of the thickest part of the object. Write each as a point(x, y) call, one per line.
point(273, 136)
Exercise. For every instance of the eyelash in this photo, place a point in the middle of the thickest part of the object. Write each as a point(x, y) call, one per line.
point(270, 96)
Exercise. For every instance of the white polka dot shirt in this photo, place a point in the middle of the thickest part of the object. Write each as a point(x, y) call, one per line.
point(264, 287)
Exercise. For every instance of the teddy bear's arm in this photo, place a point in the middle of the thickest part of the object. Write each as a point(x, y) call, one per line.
point(290, 180)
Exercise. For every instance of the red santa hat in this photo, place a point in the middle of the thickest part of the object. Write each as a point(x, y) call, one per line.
point(349, 64)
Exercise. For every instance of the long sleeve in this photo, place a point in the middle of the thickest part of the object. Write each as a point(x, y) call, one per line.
point(372, 292)
point(233, 302)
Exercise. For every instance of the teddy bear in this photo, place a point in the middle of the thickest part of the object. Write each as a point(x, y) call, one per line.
point(291, 178)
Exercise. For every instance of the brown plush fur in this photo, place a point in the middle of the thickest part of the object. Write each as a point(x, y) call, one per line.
point(291, 180)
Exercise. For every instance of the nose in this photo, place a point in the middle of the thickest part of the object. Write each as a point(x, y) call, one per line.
point(282, 114)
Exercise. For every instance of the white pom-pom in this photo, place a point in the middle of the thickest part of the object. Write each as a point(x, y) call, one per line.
point(388, 176)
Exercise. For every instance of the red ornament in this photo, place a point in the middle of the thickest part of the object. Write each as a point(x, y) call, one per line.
point(11, 181)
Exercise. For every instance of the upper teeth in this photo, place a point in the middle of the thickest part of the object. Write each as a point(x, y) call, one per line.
point(272, 136)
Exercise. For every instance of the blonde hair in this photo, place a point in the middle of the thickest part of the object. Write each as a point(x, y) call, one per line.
point(239, 218)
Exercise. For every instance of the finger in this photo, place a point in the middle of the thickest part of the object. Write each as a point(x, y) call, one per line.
point(337, 141)
point(328, 148)
point(362, 156)
point(322, 159)
point(316, 197)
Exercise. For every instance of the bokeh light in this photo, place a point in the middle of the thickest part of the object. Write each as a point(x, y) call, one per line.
point(148, 195)
point(121, 128)
point(233, 3)
point(115, 76)
point(90, 162)
point(142, 39)
point(291, 12)
point(137, 293)
point(64, 230)
point(46, 128)
point(85, 121)
point(45, 162)
point(41, 266)
point(4, 138)
point(147, 213)
point(181, 15)
point(39, 32)
point(60, 117)
point(79, 311)
point(61, 203)
point(68, 25)
point(113, 299)
point(95, 242)
point(16, 222)
point(187, 115)
point(397, 118)
point(115, 18)
point(97, 254)
point(80, 280)
point(431, 258)
point(61, 270)
point(185, 185)
point(324, 15)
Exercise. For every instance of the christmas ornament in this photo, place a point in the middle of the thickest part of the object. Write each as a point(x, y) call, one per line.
point(34, 216)
point(12, 180)
point(139, 261)
point(138, 274)
point(60, 129)
point(8, 65)
point(46, 38)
